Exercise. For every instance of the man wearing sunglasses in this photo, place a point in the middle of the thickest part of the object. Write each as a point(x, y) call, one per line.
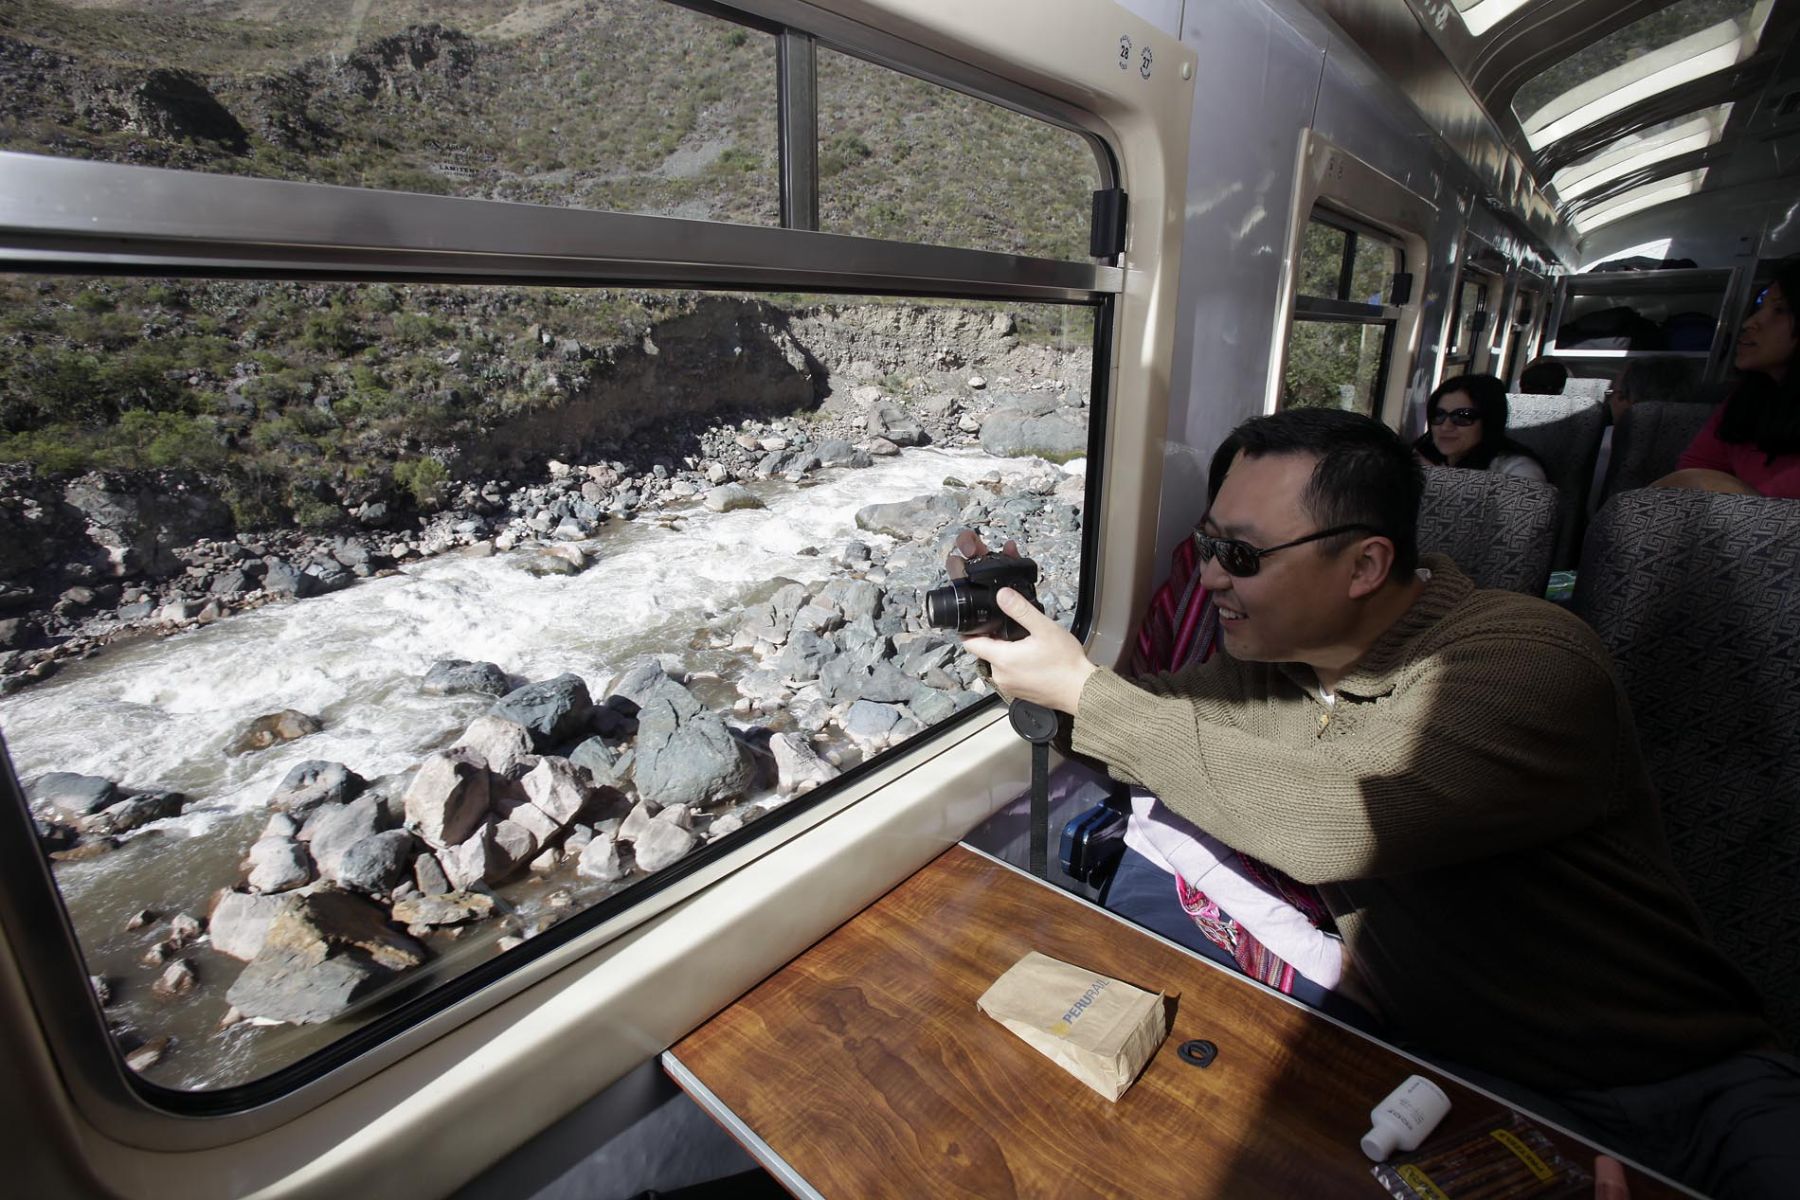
point(1457, 770)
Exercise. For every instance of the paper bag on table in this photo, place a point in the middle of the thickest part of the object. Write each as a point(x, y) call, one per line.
point(1096, 1028)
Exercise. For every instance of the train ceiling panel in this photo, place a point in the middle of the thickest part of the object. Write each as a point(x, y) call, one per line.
point(1613, 106)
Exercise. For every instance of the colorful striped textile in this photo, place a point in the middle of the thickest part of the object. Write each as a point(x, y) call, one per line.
point(1182, 628)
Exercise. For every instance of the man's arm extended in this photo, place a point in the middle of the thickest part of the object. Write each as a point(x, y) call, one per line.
point(1504, 746)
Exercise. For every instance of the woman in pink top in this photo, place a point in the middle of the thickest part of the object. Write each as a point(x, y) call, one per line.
point(1751, 443)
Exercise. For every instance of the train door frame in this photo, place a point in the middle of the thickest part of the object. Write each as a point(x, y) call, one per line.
point(1480, 264)
point(1523, 331)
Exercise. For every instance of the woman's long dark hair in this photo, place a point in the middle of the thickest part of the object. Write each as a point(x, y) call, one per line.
point(1760, 411)
point(1489, 397)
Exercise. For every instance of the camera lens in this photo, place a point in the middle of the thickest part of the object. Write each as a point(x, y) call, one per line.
point(944, 606)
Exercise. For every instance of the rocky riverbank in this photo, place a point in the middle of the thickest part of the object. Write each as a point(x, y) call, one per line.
point(566, 789)
point(108, 555)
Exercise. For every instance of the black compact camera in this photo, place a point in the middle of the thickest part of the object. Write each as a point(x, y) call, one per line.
point(971, 604)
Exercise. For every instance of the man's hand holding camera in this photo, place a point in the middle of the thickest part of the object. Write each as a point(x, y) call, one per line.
point(1039, 660)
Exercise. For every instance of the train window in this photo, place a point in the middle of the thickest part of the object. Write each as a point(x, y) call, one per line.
point(382, 616)
point(1628, 155)
point(1479, 16)
point(1672, 46)
point(545, 108)
point(903, 158)
point(360, 560)
point(1623, 204)
point(1343, 324)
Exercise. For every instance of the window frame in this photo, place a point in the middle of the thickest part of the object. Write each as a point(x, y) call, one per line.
point(1330, 178)
point(67, 216)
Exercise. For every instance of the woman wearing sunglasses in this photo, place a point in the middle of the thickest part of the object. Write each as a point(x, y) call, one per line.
point(1466, 427)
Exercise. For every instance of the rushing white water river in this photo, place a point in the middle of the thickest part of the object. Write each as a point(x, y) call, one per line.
point(161, 712)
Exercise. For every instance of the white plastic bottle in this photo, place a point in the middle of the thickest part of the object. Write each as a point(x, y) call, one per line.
point(1403, 1120)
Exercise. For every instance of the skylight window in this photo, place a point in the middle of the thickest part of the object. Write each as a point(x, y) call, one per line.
point(1666, 49)
point(1659, 143)
point(1479, 16)
point(1639, 198)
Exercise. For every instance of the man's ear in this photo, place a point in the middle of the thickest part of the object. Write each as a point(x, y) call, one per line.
point(1370, 569)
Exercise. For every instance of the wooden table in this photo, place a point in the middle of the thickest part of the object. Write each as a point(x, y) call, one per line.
point(863, 1068)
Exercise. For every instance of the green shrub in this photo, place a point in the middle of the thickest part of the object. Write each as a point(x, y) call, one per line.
point(424, 478)
point(330, 332)
point(843, 151)
point(54, 449)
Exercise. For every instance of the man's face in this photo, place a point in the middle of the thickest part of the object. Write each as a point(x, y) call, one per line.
point(1298, 601)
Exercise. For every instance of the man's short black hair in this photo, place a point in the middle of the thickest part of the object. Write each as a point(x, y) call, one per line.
point(1365, 475)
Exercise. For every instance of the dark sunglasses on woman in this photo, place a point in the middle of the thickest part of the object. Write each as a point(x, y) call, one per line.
point(1464, 417)
point(1241, 560)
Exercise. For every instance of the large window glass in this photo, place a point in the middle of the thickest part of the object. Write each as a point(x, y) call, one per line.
point(1629, 155)
point(1670, 47)
point(631, 105)
point(1479, 16)
point(902, 158)
point(356, 635)
point(450, 612)
point(1342, 332)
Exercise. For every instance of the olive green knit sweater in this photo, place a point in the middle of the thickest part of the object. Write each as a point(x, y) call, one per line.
point(1477, 815)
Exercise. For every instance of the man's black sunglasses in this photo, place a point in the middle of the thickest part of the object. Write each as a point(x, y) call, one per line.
point(1241, 559)
point(1456, 416)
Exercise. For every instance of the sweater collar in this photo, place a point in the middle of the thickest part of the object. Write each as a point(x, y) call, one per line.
point(1375, 673)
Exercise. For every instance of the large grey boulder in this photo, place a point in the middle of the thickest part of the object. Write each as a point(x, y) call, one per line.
point(377, 862)
point(313, 783)
point(605, 766)
point(321, 953)
point(475, 860)
point(556, 787)
point(502, 744)
point(75, 795)
point(662, 844)
point(285, 579)
point(805, 655)
point(458, 677)
point(1007, 436)
point(920, 517)
point(1027, 404)
point(855, 598)
point(835, 452)
point(447, 799)
point(600, 860)
point(931, 705)
point(730, 497)
point(896, 425)
point(332, 830)
point(282, 986)
point(285, 726)
point(867, 721)
point(278, 864)
point(844, 679)
point(685, 754)
point(134, 812)
point(554, 710)
point(239, 921)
